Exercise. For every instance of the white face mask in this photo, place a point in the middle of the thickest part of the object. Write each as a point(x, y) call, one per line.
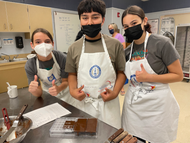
point(43, 49)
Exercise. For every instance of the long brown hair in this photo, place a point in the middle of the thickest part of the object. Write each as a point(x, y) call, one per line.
point(136, 10)
point(43, 31)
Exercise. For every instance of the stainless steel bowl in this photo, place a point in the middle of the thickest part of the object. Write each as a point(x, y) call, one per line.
point(21, 130)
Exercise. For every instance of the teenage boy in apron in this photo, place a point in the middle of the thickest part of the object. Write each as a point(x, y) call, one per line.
point(95, 64)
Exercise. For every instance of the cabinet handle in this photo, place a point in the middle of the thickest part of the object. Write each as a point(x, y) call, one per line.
point(11, 26)
point(5, 26)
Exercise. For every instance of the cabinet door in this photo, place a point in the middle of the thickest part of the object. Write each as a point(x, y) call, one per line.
point(40, 17)
point(17, 17)
point(3, 18)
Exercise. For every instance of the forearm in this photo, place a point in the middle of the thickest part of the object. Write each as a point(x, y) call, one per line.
point(175, 74)
point(38, 92)
point(164, 78)
point(63, 85)
point(119, 83)
point(72, 79)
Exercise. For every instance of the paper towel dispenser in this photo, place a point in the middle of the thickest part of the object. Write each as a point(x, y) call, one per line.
point(19, 42)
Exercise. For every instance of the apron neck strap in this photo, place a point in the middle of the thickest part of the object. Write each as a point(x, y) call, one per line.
point(55, 61)
point(103, 43)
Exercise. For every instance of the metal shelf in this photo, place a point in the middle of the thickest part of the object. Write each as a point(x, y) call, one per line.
point(182, 45)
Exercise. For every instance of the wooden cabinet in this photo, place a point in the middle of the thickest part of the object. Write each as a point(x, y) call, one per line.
point(14, 17)
point(3, 17)
point(40, 17)
point(14, 73)
point(17, 17)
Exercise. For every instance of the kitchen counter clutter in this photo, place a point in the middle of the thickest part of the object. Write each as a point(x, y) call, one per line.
point(42, 134)
point(13, 72)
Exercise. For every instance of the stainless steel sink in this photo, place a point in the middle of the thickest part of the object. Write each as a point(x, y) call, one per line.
point(4, 61)
point(19, 59)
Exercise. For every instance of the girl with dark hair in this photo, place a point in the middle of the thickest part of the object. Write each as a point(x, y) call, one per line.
point(150, 109)
point(48, 66)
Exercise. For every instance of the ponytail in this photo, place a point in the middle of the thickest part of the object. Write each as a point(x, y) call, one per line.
point(148, 28)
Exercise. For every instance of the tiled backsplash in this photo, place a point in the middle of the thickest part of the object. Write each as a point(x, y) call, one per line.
point(12, 49)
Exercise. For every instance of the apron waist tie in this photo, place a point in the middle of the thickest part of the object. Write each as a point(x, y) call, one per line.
point(93, 101)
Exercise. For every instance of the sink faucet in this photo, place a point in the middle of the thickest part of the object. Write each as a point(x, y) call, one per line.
point(15, 57)
point(6, 55)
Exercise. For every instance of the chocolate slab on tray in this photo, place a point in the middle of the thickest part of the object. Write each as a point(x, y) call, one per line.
point(121, 136)
point(71, 127)
point(117, 133)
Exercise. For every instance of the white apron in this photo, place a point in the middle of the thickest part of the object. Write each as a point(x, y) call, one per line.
point(96, 73)
point(150, 110)
point(47, 76)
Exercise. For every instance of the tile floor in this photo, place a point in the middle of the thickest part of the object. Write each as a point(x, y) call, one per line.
point(181, 92)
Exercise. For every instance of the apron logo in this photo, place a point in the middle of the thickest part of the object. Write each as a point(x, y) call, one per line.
point(87, 94)
point(152, 87)
point(95, 71)
point(51, 78)
point(107, 84)
point(134, 82)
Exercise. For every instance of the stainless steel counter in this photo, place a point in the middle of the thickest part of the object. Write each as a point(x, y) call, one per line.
point(41, 134)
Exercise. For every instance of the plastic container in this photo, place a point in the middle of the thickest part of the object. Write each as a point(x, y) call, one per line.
point(74, 127)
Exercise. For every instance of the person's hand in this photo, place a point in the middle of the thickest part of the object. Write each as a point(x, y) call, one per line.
point(107, 95)
point(54, 90)
point(78, 93)
point(142, 75)
point(33, 85)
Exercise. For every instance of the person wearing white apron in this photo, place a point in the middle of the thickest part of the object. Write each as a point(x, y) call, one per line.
point(93, 80)
point(47, 77)
point(150, 110)
point(51, 80)
point(93, 104)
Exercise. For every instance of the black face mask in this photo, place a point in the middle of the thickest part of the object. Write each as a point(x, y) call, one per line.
point(91, 30)
point(128, 40)
point(133, 33)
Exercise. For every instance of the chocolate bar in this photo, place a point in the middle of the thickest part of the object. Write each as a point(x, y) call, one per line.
point(91, 125)
point(115, 135)
point(133, 140)
point(126, 139)
point(120, 137)
point(80, 125)
point(69, 125)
